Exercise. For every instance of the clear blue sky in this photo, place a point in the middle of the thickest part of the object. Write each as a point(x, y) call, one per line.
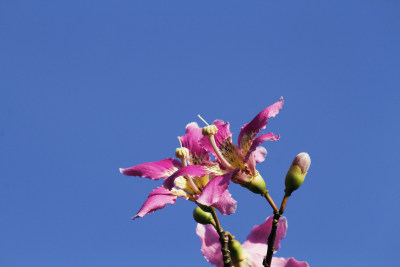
point(87, 87)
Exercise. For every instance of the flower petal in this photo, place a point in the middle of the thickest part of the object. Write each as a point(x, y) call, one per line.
point(210, 245)
point(154, 170)
point(215, 168)
point(251, 129)
point(223, 139)
point(223, 134)
point(256, 243)
point(251, 162)
point(190, 140)
point(259, 140)
point(213, 191)
point(157, 199)
point(226, 204)
point(290, 262)
point(259, 154)
point(192, 170)
point(183, 184)
point(201, 182)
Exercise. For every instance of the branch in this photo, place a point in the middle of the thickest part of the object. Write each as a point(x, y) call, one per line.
point(270, 201)
point(271, 239)
point(226, 255)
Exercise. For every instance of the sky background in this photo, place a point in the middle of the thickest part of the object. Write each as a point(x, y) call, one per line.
point(87, 87)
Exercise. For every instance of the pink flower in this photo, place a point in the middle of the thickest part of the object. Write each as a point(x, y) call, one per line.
point(241, 159)
point(201, 181)
point(255, 247)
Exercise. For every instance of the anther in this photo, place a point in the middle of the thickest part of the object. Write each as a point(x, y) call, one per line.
point(182, 152)
point(209, 129)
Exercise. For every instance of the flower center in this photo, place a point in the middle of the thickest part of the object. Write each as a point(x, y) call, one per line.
point(210, 131)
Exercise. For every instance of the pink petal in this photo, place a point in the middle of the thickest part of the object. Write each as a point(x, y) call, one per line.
point(255, 157)
point(251, 162)
point(192, 170)
point(261, 139)
point(223, 140)
point(256, 243)
point(154, 170)
point(251, 129)
point(157, 199)
point(290, 262)
point(226, 204)
point(210, 245)
point(190, 140)
point(223, 134)
point(259, 154)
point(214, 190)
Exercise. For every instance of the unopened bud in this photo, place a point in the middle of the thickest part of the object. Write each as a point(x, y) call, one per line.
point(202, 216)
point(182, 152)
point(297, 172)
point(209, 130)
point(237, 253)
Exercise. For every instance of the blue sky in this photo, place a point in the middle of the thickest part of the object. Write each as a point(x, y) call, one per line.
point(89, 87)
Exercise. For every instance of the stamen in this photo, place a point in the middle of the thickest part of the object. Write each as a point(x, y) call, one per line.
point(209, 131)
point(180, 142)
point(203, 120)
point(219, 154)
point(192, 185)
point(190, 179)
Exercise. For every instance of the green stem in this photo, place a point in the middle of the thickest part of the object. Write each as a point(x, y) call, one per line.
point(270, 201)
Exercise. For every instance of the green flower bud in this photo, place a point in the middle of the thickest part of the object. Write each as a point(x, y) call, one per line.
point(237, 253)
point(202, 216)
point(297, 172)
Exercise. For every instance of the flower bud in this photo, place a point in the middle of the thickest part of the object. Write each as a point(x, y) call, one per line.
point(182, 152)
point(209, 130)
point(202, 216)
point(237, 253)
point(297, 172)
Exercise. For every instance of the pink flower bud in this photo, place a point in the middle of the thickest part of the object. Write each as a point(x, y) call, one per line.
point(297, 172)
point(302, 160)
